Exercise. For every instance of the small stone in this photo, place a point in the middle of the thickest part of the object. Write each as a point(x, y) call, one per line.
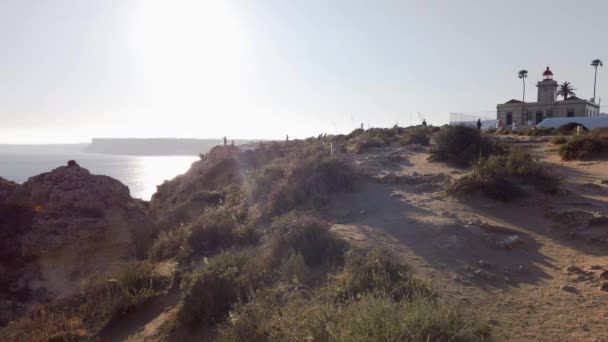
point(570, 289)
point(484, 263)
point(521, 269)
point(604, 286)
point(604, 275)
point(603, 181)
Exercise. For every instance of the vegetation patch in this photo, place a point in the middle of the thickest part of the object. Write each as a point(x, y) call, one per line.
point(299, 181)
point(379, 308)
point(462, 145)
point(101, 300)
point(416, 135)
point(230, 277)
point(306, 236)
point(559, 140)
point(498, 177)
point(586, 146)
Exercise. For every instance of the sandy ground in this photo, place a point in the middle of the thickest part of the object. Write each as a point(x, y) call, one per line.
point(456, 243)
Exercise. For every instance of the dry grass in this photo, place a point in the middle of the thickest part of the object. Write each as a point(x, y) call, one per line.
point(100, 301)
point(586, 146)
point(462, 146)
point(498, 177)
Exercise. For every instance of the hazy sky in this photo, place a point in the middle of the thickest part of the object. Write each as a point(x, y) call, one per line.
point(77, 69)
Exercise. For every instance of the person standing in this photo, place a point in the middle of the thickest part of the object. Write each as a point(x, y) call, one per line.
point(499, 125)
point(514, 126)
point(424, 122)
point(478, 123)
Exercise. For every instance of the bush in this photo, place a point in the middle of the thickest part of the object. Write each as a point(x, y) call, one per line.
point(299, 182)
point(558, 140)
point(217, 229)
point(168, 244)
point(569, 128)
point(101, 300)
point(303, 235)
point(586, 146)
point(293, 269)
point(359, 140)
point(209, 293)
point(496, 177)
point(538, 131)
point(376, 272)
point(376, 318)
point(379, 310)
point(461, 146)
point(417, 135)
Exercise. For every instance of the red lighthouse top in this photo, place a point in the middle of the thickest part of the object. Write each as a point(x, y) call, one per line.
point(548, 75)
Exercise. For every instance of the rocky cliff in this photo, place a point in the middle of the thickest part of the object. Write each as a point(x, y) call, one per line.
point(58, 228)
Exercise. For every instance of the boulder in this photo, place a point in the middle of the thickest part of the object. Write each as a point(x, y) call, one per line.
point(60, 227)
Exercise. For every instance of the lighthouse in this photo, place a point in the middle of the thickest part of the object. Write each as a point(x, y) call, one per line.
point(547, 88)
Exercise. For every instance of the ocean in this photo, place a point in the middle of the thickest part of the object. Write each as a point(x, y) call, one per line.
point(140, 174)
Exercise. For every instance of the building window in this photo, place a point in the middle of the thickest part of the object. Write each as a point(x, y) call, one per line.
point(539, 116)
point(570, 113)
point(549, 114)
point(509, 118)
point(528, 118)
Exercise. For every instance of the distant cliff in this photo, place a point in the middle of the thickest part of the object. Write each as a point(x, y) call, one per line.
point(155, 146)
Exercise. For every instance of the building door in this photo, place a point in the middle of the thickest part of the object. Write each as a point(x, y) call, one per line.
point(539, 117)
point(509, 119)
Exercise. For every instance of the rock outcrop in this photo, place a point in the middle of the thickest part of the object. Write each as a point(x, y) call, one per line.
point(60, 227)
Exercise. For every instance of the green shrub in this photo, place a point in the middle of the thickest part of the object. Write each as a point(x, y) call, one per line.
point(538, 131)
point(168, 244)
point(307, 184)
point(376, 318)
point(461, 146)
point(306, 236)
point(101, 300)
point(378, 272)
point(569, 128)
point(558, 140)
point(417, 135)
point(228, 278)
point(497, 176)
point(359, 140)
point(586, 146)
point(293, 269)
point(217, 229)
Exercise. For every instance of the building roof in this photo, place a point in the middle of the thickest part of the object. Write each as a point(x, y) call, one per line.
point(573, 98)
point(590, 123)
point(513, 101)
point(547, 72)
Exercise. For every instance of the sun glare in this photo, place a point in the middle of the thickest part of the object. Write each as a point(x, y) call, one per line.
point(188, 54)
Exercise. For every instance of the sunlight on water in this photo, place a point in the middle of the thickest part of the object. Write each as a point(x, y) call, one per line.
point(154, 170)
point(140, 174)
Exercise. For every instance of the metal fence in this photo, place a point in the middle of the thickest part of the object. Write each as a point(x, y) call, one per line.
point(472, 116)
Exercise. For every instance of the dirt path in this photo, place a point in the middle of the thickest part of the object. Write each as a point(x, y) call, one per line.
point(455, 243)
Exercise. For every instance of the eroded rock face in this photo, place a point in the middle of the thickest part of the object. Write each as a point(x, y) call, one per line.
point(60, 227)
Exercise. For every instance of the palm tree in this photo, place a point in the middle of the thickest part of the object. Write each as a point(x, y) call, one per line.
point(566, 89)
point(523, 74)
point(595, 63)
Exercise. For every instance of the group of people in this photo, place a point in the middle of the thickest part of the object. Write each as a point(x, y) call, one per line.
point(513, 125)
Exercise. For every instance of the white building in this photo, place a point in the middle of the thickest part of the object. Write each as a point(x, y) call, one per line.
point(546, 106)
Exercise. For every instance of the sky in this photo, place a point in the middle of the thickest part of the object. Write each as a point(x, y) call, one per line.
point(71, 70)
